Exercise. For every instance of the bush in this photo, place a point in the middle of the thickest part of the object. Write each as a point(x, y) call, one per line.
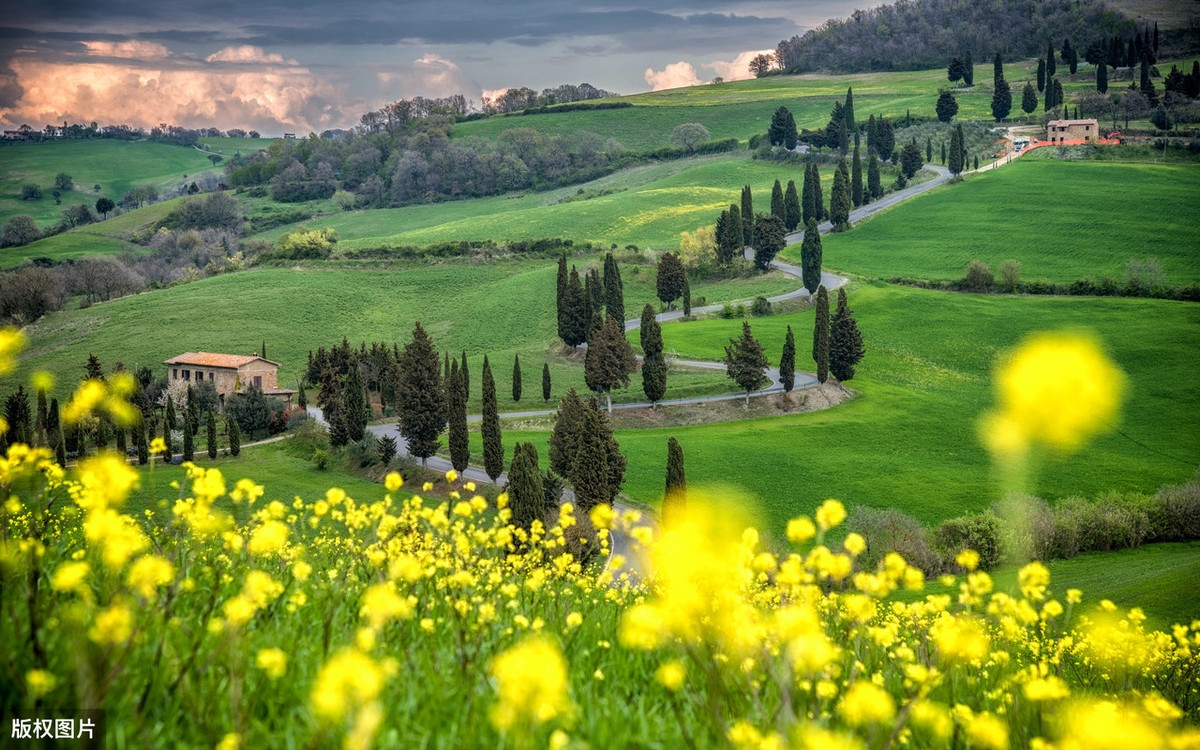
point(31, 192)
point(1112, 521)
point(1010, 274)
point(890, 530)
point(1028, 529)
point(979, 277)
point(320, 459)
point(1180, 509)
point(761, 307)
point(977, 531)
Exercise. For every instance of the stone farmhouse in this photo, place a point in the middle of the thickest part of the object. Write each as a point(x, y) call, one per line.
point(1061, 131)
point(229, 373)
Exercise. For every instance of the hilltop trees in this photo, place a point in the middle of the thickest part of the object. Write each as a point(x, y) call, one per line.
point(654, 366)
point(820, 350)
point(845, 341)
point(420, 395)
point(810, 256)
point(745, 362)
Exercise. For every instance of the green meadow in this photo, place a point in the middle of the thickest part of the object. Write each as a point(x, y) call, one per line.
point(116, 166)
point(67, 246)
point(1061, 220)
point(909, 440)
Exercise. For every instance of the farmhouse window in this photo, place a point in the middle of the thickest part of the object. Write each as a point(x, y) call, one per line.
point(187, 374)
point(174, 373)
point(212, 376)
point(258, 381)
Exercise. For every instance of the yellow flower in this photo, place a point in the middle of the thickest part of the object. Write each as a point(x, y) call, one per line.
point(451, 476)
point(158, 445)
point(968, 559)
point(11, 343)
point(671, 675)
point(830, 514)
point(268, 538)
point(301, 570)
point(349, 679)
point(854, 544)
point(381, 603)
point(987, 732)
point(70, 576)
point(1046, 688)
point(39, 682)
point(531, 685)
point(231, 741)
point(393, 481)
point(867, 703)
point(574, 620)
point(112, 626)
point(1033, 579)
point(1103, 725)
point(148, 573)
point(800, 529)
point(1058, 389)
point(273, 661)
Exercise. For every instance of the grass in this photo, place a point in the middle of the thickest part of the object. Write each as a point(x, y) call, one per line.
point(114, 165)
point(64, 247)
point(1021, 212)
point(231, 146)
point(909, 439)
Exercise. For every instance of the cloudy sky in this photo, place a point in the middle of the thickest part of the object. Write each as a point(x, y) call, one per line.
point(307, 65)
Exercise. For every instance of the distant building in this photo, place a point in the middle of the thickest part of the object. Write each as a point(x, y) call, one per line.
point(289, 136)
point(229, 373)
point(1060, 131)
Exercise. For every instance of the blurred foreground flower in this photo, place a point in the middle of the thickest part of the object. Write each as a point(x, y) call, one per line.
point(11, 343)
point(531, 685)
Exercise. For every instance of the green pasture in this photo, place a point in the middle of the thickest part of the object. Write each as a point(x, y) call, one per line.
point(648, 207)
point(65, 247)
point(1060, 220)
point(115, 165)
point(909, 439)
point(231, 146)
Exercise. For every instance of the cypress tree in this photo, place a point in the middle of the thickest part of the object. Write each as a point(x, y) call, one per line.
point(1058, 94)
point(721, 235)
point(302, 397)
point(957, 156)
point(1029, 98)
point(839, 201)
point(808, 206)
point(771, 236)
point(193, 412)
point(747, 216)
point(969, 70)
point(93, 369)
point(525, 494)
point(609, 360)
point(579, 312)
point(821, 335)
point(845, 341)
point(212, 435)
point(420, 396)
point(235, 438)
point(874, 188)
point(41, 433)
point(189, 452)
point(670, 278)
point(464, 379)
point(822, 212)
point(787, 363)
point(928, 151)
point(592, 295)
point(1051, 67)
point(354, 399)
point(810, 257)
point(590, 464)
point(516, 378)
point(943, 153)
point(856, 177)
point(614, 293)
point(493, 450)
point(848, 114)
point(545, 381)
point(777, 208)
point(675, 498)
point(872, 136)
point(687, 297)
point(459, 438)
point(1041, 75)
point(561, 301)
point(143, 442)
point(791, 207)
point(169, 427)
point(1001, 100)
point(386, 449)
point(745, 362)
point(737, 230)
point(564, 439)
point(654, 368)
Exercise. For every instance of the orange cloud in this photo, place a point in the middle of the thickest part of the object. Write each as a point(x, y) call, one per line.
point(247, 54)
point(673, 76)
point(130, 50)
point(739, 68)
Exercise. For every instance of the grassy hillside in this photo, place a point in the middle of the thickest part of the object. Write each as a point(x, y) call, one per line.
point(114, 165)
point(65, 246)
point(909, 439)
point(1061, 220)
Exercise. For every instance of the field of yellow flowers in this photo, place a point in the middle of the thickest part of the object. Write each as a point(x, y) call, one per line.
point(393, 621)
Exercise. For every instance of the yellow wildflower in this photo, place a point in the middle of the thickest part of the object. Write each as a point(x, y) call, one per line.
point(269, 537)
point(113, 625)
point(349, 679)
point(393, 481)
point(39, 682)
point(531, 685)
point(867, 703)
point(231, 741)
point(273, 661)
point(70, 576)
point(12, 341)
point(671, 675)
point(148, 573)
point(830, 514)
point(855, 544)
point(801, 529)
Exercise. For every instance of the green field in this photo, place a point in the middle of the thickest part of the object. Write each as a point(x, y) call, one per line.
point(909, 439)
point(1116, 212)
point(64, 247)
point(114, 165)
point(231, 146)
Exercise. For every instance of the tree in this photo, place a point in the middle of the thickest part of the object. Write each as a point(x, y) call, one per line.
point(856, 178)
point(957, 151)
point(1102, 78)
point(874, 188)
point(545, 381)
point(675, 498)
point(590, 467)
point(928, 151)
point(609, 360)
point(356, 411)
point(689, 135)
point(141, 441)
point(579, 312)
point(493, 449)
point(787, 363)
point(886, 139)
point(1041, 75)
point(947, 106)
point(235, 437)
point(1001, 100)
point(687, 297)
point(782, 131)
point(839, 200)
point(777, 201)
point(848, 118)
point(561, 300)
point(169, 426)
point(654, 366)
point(19, 230)
point(1029, 99)
point(593, 289)
point(456, 407)
point(31, 192)
point(516, 378)
point(104, 205)
point(189, 448)
point(564, 439)
point(64, 181)
point(1146, 86)
point(669, 283)
point(818, 198)
point(910, 160)
point(808, 207)
point(1160, 119)
point(759, 65)
point(969, 70)
point(614, 290)
point(747, 216)
point(526, 496)
point(1051, 67)
point(420, 395)
point(211, 434)
point(386, 449)
point(465, 378)
point(810, 256)
point(770, 237)
point(955, 70)
point(791, 207)
point(745, 362)
point(735, 242)
point(845, 341)
point(821, 335)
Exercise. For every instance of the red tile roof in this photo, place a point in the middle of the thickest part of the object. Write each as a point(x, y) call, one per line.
point(208, 359)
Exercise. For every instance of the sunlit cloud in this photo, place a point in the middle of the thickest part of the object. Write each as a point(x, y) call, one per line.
point(247, 54)
point(739, 68)
point(129, 49)
point(673, 76)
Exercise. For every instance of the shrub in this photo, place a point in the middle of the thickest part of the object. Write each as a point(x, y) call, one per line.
point(1112, 521)
point(1028, 529)
point(977, 531)
point(1010, 274)
point(761, 307)
point(1180, 509)
point(979, 277)
point(890, 530)
point(320, 459)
